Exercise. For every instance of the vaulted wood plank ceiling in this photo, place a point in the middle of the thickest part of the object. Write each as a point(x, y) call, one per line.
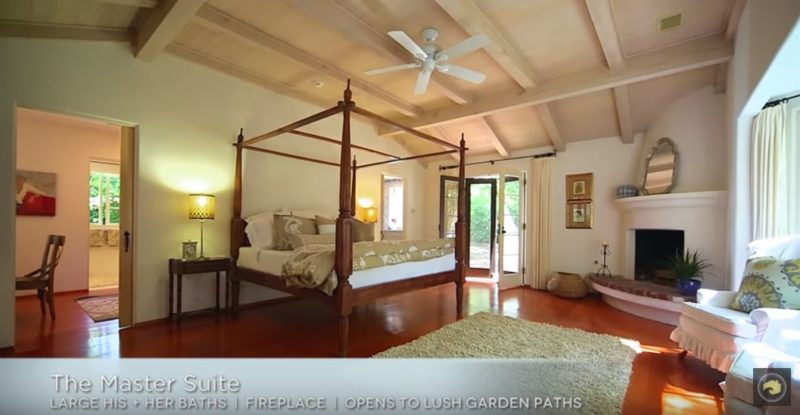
point(558, 71)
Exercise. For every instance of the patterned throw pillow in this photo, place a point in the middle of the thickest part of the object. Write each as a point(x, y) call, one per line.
point(769, 282)
point(362, 231)
point(299, 240)
point(286, 225)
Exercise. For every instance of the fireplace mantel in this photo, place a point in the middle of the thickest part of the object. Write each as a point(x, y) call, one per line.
point(701, 215)
point(673, 200)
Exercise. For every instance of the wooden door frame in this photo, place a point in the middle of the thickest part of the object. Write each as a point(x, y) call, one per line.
point(127, 263)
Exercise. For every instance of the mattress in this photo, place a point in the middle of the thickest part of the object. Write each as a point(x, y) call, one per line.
point(271, 262)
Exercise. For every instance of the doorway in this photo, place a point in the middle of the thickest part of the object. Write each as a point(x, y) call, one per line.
point(90, 166)
point(495, 225)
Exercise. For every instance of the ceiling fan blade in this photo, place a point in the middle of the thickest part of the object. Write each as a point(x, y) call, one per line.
point(392, 68)
point(474, 43)
point(406, 42)
point(461, 72)
point(422, 82)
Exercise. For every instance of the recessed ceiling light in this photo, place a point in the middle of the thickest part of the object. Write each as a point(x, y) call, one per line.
point(319, 84)
point(670, 22)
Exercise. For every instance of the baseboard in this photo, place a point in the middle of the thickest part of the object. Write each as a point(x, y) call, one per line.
point(272, 301)
point(32, 293)
point(5, 351)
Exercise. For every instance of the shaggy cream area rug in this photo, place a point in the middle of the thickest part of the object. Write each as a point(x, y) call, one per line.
point(568, 362)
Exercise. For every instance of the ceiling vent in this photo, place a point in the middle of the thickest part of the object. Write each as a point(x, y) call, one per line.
point(670, 22)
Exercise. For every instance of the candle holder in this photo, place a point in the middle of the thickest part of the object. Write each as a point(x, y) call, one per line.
point(604, 271)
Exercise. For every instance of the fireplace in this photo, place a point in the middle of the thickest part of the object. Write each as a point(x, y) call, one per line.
point(653, 248)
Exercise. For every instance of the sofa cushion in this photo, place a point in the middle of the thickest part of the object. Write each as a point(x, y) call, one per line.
point(729, 321)
point(769, 282)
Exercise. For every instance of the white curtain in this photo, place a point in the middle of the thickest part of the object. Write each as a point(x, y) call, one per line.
point(540, 224)
point(770, 184)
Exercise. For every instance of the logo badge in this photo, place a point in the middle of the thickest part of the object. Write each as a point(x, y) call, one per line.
point(772, 387)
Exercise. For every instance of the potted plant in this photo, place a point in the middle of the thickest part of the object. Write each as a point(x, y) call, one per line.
point(689, 269)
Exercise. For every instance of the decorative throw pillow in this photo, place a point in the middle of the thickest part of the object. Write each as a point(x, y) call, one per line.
point(362, 231)
point(260, 229)
point(769, 282)
point(286, 225)
point(325, 225)
point(299, 240)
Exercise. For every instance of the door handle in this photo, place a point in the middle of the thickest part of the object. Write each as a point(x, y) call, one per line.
point(127, 237)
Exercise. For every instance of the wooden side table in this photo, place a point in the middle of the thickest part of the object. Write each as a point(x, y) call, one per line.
point(179, 267)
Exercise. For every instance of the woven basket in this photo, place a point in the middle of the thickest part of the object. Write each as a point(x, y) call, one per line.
point(567, 285)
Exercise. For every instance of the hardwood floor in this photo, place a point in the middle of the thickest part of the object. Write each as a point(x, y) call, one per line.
point(661, 382)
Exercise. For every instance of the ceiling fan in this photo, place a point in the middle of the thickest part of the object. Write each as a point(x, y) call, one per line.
point(430, 57)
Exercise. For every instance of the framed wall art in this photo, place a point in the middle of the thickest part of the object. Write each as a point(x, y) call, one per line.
point(579, 215)
point(36, 193)
point(580, 186)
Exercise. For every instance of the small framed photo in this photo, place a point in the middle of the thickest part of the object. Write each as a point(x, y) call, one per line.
point(579, 215)
point(189, 250)
point(579, 186)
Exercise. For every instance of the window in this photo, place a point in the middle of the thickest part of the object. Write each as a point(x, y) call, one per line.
point(104, 195)
point(392, 204)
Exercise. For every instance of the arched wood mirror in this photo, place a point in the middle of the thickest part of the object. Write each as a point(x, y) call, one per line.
point(660, 168)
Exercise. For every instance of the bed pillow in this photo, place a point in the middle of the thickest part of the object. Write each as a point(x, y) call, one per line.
point(769, 282)
point(299, 240)
point(362, 231)
point(260, 229)
point(286, 225)
point(325, 225)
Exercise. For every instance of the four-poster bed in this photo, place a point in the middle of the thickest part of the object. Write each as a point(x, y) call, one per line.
point(345, 296)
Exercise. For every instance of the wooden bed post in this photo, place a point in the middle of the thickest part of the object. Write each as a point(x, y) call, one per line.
point(353, 188)
point(461, 231)
point(344, 243)
point(237, 223)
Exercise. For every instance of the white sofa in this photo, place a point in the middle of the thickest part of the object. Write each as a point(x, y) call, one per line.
point(714, 333)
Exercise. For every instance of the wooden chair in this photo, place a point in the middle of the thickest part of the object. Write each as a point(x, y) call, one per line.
point(42, 279)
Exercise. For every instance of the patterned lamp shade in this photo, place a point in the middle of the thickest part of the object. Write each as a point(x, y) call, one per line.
point(201, 206)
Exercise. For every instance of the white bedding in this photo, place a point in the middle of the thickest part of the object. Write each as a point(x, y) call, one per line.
point(271, 262)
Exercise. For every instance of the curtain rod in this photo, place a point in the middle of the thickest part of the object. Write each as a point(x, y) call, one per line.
point(535, 156)
point(778, 101)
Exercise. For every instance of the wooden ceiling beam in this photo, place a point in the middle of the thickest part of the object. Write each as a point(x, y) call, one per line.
point(701, 53)
point(241, 30)
point(623, 113)
point(442, 133)
point(493, 137)
point(474, 21)
point(243, 74)
point(161, 25)
point(603, 19)
point(549, 123)
point(341, 18)
point(56, 31)
point(735, 14)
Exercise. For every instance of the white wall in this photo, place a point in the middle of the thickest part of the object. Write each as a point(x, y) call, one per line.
point(7, 221)
point(764, 65)
point(187, 117)
point(696, 124)
point(613, 164)
point(43, 142)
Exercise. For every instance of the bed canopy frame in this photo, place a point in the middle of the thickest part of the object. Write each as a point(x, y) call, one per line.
point(345, 297)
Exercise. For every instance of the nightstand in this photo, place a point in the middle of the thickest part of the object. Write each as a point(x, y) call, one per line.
point(180, 267)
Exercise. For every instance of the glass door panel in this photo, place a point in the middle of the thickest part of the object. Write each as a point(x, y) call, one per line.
point(448, 207)
point(510, 231)
point(482, 199)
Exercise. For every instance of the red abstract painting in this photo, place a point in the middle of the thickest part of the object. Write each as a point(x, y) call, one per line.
point(36, 193)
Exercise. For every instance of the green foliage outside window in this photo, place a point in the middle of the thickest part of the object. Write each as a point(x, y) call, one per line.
point(104, 200)
point(480, 210)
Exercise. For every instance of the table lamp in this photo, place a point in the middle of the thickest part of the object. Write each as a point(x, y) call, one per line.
point(201, 206)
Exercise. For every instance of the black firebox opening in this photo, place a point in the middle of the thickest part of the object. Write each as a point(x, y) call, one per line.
point(654, 247)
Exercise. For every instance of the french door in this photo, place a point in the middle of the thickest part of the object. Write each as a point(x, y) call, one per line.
point(510, 230)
